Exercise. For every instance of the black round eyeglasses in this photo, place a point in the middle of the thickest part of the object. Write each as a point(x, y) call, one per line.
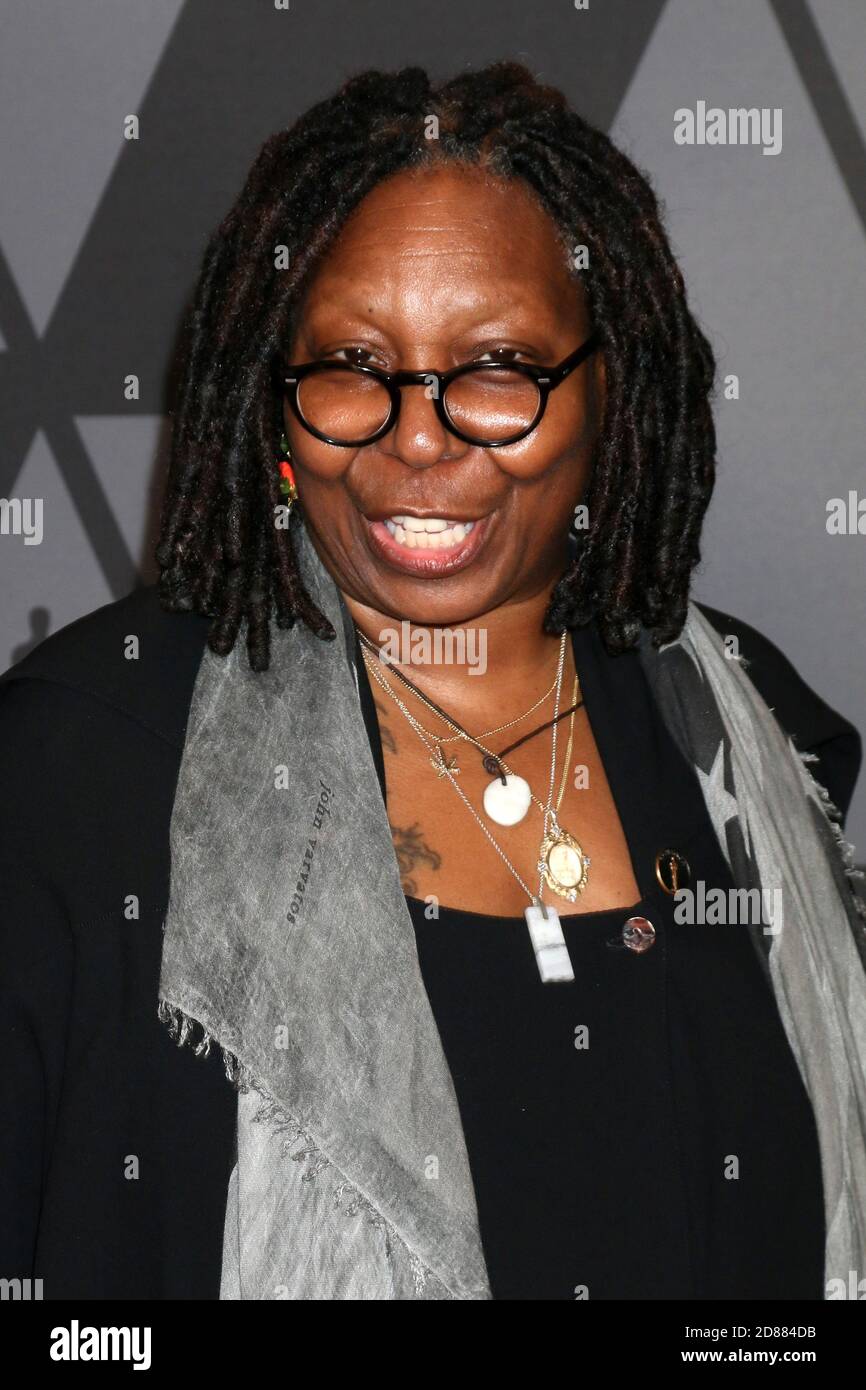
point(486, 403)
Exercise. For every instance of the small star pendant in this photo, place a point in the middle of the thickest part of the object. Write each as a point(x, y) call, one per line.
point(444, 765)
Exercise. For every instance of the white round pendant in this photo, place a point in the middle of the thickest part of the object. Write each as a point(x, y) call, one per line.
point(508, 804)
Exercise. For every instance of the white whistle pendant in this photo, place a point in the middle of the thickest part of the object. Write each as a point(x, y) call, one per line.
point(548, 942)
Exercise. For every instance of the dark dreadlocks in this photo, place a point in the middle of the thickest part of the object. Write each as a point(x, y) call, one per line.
point(219, 551)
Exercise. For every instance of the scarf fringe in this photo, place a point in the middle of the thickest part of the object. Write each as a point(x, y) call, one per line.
point(847, 851)
point(855, 875)
point(181, 1028)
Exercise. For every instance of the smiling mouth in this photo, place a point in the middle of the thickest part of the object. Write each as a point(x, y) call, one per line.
point(429, 545)
point(427, 533)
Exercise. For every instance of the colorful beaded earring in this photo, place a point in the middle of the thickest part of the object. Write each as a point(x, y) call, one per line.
point(288, 485)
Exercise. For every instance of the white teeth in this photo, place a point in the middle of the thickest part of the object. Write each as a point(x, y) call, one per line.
point(427, 533)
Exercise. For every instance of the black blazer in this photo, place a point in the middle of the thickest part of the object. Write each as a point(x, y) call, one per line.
point(115, 1145)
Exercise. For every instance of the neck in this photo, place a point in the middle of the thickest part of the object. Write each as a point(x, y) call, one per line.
point(495, 663)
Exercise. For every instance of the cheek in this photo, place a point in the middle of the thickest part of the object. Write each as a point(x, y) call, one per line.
point(567, 431)
point(315, 459)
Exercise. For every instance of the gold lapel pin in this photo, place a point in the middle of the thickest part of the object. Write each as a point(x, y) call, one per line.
point(672, 870)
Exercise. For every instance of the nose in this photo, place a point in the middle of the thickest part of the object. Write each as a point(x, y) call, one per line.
point(418, 437)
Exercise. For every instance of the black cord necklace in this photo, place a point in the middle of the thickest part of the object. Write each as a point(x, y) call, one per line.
point(490, 761)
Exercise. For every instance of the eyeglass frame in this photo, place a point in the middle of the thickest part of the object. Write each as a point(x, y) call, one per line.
point(546, 380)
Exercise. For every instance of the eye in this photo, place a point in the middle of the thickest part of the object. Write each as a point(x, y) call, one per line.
point(357, 356)
point(502, 354)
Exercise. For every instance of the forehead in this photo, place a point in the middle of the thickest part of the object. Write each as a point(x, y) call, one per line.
point(446, 240)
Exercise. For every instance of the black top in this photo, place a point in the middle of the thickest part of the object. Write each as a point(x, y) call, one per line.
point(654, 1162)
point(115, 1145)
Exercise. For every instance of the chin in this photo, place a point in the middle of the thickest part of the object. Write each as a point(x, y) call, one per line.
point(426, 610)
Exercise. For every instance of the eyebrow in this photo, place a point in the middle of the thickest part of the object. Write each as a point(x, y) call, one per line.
point(510, 286)
point(513, 307)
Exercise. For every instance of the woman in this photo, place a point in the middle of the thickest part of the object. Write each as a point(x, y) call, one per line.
point(404, 797)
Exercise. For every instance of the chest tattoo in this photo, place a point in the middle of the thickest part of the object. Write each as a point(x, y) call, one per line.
point(412, 852)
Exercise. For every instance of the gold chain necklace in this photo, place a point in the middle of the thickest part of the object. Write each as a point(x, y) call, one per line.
point(542, 920)
point(443, 765)
point(452, 738)
point(508, 797)
point(562, 862)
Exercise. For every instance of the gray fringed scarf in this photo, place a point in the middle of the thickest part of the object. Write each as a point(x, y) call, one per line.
point(289, 943)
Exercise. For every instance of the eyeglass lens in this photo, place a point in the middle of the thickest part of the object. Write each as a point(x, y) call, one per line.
point(351, 405)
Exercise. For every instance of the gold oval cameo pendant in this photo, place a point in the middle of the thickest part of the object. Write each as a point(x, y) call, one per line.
point(564, 865)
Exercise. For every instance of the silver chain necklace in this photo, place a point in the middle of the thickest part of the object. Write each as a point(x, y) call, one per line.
point(545, 928)
point(462, 734)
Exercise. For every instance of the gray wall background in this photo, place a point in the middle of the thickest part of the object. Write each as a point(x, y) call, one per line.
point(100, 240)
